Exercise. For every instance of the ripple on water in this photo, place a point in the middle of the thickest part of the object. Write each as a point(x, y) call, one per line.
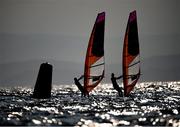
point(151, 103)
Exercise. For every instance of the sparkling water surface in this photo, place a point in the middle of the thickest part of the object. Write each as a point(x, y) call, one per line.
point(150, 104)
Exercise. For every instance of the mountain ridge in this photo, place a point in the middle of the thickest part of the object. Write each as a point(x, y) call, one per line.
point(158, 68)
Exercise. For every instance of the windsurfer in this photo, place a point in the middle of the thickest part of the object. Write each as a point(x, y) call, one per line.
point(80, 87)
point(115, 85)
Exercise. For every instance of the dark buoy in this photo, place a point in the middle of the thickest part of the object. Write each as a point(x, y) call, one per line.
point(43, 86)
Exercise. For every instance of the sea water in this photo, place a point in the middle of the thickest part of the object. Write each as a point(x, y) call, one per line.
point(150, 104)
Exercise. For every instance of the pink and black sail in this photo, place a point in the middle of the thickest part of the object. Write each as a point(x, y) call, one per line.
point(131, 55)
point(94, 61)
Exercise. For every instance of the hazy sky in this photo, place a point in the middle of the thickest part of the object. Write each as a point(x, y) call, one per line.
point(60, 29)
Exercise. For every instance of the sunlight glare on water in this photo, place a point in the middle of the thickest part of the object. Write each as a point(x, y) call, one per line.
point(150, 103)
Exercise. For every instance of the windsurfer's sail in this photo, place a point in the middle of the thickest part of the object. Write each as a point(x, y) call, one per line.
point(43, 84)
point(131, 56)
point(94, 62)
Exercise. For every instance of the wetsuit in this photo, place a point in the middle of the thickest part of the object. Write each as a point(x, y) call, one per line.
point(80, 87)
point(116, 86)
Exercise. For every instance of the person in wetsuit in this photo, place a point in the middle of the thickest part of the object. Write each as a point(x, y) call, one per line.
point(80, 87)
point(115, 85)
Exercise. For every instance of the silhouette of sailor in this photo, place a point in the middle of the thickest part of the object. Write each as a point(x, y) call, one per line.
point(115, 85)
point(80, 87)
point(43, 86)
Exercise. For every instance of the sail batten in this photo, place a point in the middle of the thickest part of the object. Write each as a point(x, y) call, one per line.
point(131, 57)
point(134, 64)
point(97, 65)
point(94, 61)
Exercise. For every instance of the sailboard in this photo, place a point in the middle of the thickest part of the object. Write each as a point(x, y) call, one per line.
point(94, 61)
point(131, 55)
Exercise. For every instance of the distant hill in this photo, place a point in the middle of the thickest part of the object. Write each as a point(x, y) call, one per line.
point(159, 68)
point(25, 73)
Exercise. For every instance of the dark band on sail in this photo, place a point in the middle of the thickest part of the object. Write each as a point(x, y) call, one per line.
point(135, 76)
point(95, 78)
point(98, 44)
point(133, 42)
point(134, 64)
point(97, 65)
